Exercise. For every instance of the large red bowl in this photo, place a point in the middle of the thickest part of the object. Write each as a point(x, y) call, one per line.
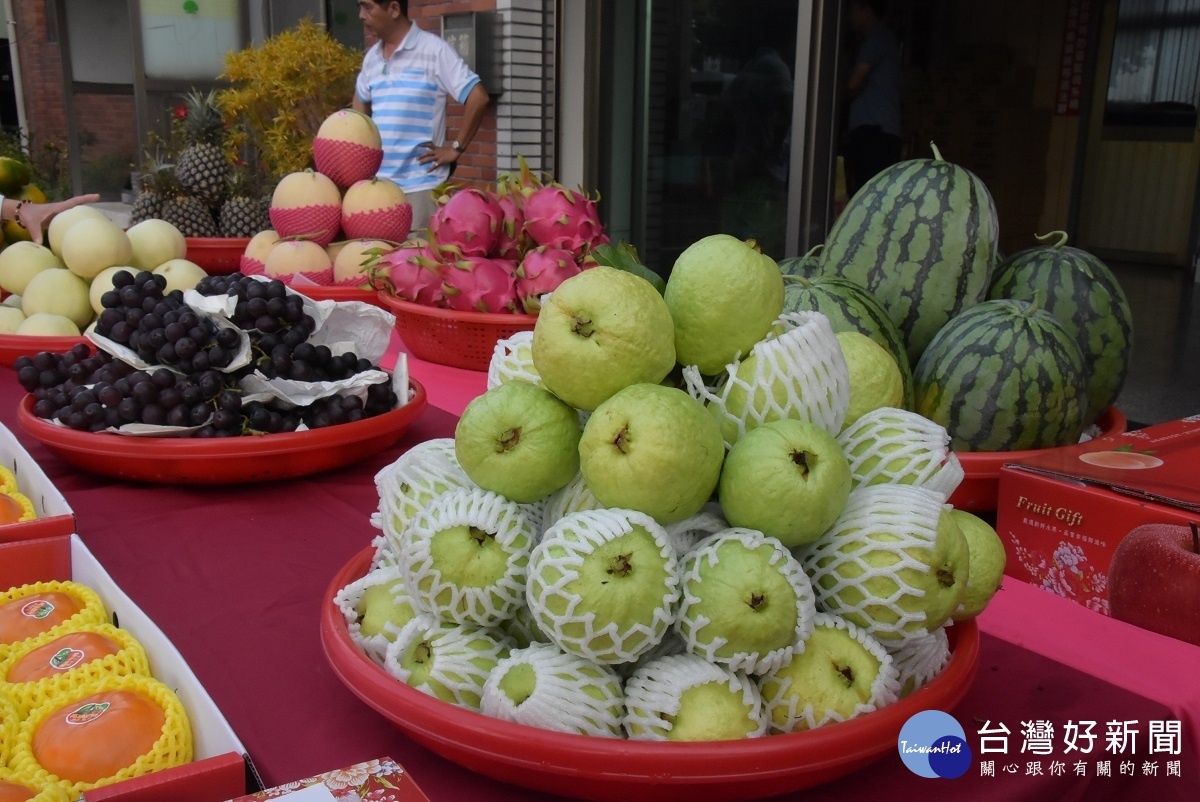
point(15, 346)
point(251, 458)
point(218, 256)
point(978, 490)
point(583, 767)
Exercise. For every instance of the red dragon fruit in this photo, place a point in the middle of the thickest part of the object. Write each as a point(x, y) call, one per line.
point(481, 284)
point(511, 242)
point(562, 218)
point(466, 224)
point(541, 271)
point(411, 273)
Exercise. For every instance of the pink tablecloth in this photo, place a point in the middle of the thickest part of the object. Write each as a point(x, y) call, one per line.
point(234, 576)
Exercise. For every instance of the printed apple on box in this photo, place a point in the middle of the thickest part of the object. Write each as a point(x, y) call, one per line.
point(1062, 515)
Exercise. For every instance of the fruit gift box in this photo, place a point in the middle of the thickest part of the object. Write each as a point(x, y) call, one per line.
point(218, 765)
point(24, 481)
point(1068, 518)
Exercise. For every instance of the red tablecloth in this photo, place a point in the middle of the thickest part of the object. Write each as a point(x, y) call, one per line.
point(234, 576)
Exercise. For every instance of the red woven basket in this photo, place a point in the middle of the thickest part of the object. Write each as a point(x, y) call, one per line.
point(449, 337)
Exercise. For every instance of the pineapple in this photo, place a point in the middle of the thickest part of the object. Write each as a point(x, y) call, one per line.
point(202, 166)
point(186, 212)
point(148, 203)
point(243, 213)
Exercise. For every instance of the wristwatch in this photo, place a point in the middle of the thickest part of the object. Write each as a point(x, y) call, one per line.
point(456, 145)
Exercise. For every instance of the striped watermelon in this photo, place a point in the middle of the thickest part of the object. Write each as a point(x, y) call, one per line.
point(1079, 290)
point(1003, 376)
point(849, 307)
point(806, 266)
point(922, 237)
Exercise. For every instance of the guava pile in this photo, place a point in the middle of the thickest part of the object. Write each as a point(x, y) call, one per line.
point(663, 521)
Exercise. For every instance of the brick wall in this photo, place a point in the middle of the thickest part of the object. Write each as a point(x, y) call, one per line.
point(41, 76)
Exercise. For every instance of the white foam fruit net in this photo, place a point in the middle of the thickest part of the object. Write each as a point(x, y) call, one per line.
point(799, 374)
point(348, 598)
point(686, 533)
point(654, 692)
point(706, 588)
point(447, 661)
point(444, 565)
point(570, 694)
point(890, 445)
point(790, 707)
point(512, 360)
point(919, 659)
point(864, 566)
point(610, 622)
point(419, 475)
point(574, 496)
point(522, 628)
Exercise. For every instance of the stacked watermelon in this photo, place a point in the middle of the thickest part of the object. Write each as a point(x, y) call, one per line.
point(1006, 354)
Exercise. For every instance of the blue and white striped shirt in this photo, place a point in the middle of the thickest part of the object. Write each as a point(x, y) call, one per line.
point(407, 96)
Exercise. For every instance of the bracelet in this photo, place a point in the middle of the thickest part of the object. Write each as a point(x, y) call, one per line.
point(17, 212)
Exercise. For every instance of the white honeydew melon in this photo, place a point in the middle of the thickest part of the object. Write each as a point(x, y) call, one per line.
point(348, 125)
point(261, 244)
point(10, 319)
point(44, 324)
point(180, 274)
point(58, 291)
point(92, 245)
point(305, 188)
point(155, 241)
point(103, 282)
point(372, 195)
point(12, 300)
point(296, 256)
point(348, 264)
point(21, 261)
point(63, 221)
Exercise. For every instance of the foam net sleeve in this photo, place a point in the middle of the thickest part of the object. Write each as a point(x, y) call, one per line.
point(890, 445)
point(798, 374)
point(484, 604)
point(458, 661)
point(91, 608)
point(686, 533)
point(888, 525)
point(571, 694)
point(654, 692)
point(693, 627)
point(574, 496)
point(565, 617)
point(512, 360)
point(347, 599)
point(920, 659)
point(418, 476)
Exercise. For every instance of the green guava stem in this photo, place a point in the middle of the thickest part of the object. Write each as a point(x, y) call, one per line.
point(480, 536)
point(757, 601)
point(583, 327)
point(801, 459)
point(847, 674)
point(621, 565)
point(508, 441)
point(619, 440)
point(423, 652)
point(945, 578)
point(937, 154)
point(1060, 238)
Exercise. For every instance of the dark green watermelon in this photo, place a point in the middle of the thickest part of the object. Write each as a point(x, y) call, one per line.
point(806, 266)
point(1079, 290)
point(850, 307)
point(1004, 376)
point(921, 236)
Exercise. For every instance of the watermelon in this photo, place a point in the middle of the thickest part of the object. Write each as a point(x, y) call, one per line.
point(805, 266)
point(850, 307)
point(1079, 290)
point(1003, 376)
point(921, 236)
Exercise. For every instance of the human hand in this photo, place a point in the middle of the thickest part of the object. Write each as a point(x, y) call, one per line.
point(34, 217)
point(438, 155)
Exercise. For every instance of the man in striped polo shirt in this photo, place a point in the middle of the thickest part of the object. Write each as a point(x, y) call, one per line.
point(406, 75)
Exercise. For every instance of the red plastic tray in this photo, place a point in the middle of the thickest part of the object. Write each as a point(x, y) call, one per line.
point(580, 766)
point(14, 346)
point(225, 460)
point(217, 255)
point(978, 490)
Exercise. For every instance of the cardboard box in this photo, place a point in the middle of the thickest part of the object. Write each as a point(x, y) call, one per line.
point(54, 515)
point(1061, 514)
point(219, 769)
point(353, 783)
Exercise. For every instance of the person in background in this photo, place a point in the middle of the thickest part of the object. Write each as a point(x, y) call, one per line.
point(873, 138)
point(405, 78)
point(34, 217)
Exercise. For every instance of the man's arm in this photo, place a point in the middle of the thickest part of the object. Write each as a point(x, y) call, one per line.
point(473, 108)
point(358, 105)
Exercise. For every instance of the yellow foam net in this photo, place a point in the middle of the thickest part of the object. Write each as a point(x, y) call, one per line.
point(27, 511)
point(8, 482)
point(10, 724)
point(42, 792)
point(91, 608)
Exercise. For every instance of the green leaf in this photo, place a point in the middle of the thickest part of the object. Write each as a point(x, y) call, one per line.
point(624, 256)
